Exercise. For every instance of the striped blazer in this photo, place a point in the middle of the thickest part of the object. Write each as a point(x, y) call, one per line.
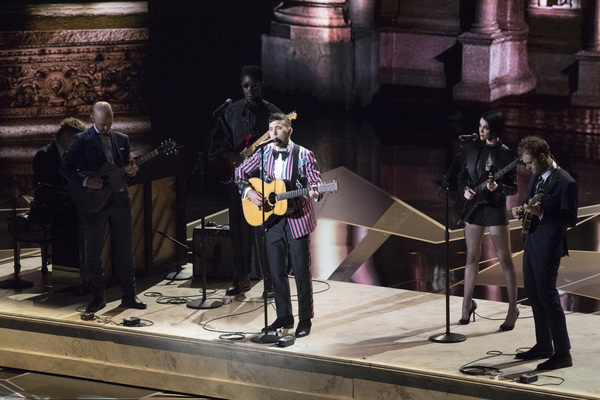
point(302, 220)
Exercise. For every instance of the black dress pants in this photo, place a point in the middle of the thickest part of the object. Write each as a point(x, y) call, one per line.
point(280, 242)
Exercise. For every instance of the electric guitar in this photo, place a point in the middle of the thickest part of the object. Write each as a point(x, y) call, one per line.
point(527, 217)
point(244, 151)
point(93, 200)
point(276, 196)
point(468, 206)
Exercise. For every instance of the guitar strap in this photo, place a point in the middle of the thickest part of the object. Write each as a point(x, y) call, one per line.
point(295, 172)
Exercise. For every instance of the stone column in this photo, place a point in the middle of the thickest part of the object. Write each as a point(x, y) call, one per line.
point(486, 20)
point(311, 49)
point(494, 61)
point(588, 87)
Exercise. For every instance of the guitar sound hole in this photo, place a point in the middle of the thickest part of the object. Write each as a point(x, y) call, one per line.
point(272, 199)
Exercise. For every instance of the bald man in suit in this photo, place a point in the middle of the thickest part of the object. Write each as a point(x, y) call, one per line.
point(91, 149)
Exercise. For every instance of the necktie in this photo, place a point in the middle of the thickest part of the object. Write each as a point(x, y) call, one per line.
point(107, 146)
point(540, 183)
point(284, 155)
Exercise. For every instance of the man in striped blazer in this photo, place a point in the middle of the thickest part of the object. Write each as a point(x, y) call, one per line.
point(283, 159)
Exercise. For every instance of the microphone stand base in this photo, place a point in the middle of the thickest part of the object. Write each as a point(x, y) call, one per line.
point(178, 276)
point(448, 338)
point(200, 304)
point(15, 283)
point(265, 338)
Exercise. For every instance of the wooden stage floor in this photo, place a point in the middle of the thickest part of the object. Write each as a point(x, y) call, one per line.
point(367, 342)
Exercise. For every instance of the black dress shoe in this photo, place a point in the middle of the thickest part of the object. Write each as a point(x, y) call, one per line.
point(239, 286)
point(559, 360)
point(286, 322)
point(133, 302)
point(534, 353)
point(95, 305)
point(271, 294)
point(303, 328)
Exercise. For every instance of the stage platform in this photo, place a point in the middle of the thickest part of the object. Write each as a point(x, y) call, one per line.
point(367, 342)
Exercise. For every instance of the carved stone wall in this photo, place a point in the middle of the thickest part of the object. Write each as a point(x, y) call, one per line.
point(56, 61)
point(62, 73)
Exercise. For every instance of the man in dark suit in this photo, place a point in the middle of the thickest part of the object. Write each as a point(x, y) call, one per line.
point(91, 149)
point(248, 117)
point(545, 245)
point(287, 234)
point(52, 202)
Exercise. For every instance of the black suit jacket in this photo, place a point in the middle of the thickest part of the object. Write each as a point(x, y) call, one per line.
point(86, 154)
point(559, 205)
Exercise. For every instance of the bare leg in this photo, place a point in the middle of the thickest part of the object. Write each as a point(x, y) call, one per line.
point(473, 239)
point(501, 239)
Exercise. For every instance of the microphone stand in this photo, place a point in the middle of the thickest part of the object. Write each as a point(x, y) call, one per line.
point(448, 337)
point(15, 282)
point(200, 166)
point(266, 337)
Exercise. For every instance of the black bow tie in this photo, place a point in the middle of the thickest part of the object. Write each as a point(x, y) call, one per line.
point(284, 154)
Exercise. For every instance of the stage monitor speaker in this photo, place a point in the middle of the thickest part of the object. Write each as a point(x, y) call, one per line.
point(219, 256)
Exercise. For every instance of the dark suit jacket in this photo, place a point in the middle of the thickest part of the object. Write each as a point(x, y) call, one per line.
point(86, 154)
point(559, 204)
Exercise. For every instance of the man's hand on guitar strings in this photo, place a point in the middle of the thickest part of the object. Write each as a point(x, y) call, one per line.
point(255, 197)
point(132, 168)
point(314, 193)
point(533, 209)
point(94, 183)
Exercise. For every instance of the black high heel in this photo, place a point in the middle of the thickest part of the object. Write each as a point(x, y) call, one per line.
point(471, 312)
point(505, 327)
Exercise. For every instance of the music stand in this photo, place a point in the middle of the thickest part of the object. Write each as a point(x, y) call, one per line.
point(448, 337)
point(15, 282)
point(266, 337)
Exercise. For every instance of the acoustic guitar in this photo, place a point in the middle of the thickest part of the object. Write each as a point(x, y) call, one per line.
point(276, 196)
point(466, 207)
point(534, 201)
point(244, 151)
point(93, 200)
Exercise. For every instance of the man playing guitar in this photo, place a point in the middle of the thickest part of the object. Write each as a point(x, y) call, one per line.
point(286, 160)
point(246, 117)
point(91, 149)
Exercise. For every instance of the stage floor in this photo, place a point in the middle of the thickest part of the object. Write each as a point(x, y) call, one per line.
point(367, 342)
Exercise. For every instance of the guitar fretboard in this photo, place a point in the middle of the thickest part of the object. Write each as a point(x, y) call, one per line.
point(498, 174)
point(293, 193)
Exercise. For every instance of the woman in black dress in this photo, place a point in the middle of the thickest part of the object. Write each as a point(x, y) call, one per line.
point(487, 156)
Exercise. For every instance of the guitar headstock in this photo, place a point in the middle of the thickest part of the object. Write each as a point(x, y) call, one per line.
point(328, 187)
point(291, 116)
point(167, 147)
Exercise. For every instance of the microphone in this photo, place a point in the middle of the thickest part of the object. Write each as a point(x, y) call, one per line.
point(222, 107)
point(469, 138)
point(266, 142)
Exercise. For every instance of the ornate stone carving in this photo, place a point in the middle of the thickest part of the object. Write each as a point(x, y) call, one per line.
point(54, 79)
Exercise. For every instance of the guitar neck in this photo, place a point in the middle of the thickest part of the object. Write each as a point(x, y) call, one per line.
point(293, 194)
point(250, 150)
point(497, 175)
point(139, 161)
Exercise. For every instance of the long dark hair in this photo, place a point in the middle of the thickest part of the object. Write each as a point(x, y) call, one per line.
point(495, 120)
